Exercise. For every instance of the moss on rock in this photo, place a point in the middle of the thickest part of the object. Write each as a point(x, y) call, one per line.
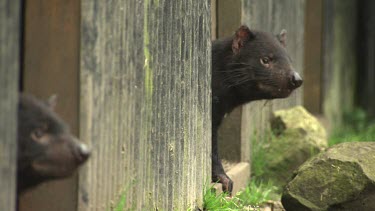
point(334, 180)
point(298, 122)
point(299, 136)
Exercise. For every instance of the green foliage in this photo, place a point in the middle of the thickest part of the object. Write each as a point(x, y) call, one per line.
point(262, 155)
point(267, 150)
point(255, 194)
point(356, 127)
point(259, 153)
point(214, 202)
point(258, 160)
point(122, 202)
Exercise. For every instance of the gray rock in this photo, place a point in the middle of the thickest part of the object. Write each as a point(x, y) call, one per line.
point(341, 178)
point(299, 136)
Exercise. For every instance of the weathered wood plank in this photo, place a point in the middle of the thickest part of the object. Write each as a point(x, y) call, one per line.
point(51, 62)
point(339, 62)
point(229, 134)
point(313, 63)
point(213, 19)
point(145, 103)
point(273, 16)
point(10, 13)
point(366, 60)
point(228, 17)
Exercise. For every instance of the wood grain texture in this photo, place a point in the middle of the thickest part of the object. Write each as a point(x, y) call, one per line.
point(273, 16)
point(366, 60)
point(229, 134)
point(9, 68)
point(213, 19)
point(228, 17)
point(145, 103)
point(51, 66)
point(313, 65)
point(339, 61)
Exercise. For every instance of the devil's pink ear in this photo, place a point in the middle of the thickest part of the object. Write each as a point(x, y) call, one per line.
point(282, 37)
point(243, 34)
point(52, 101)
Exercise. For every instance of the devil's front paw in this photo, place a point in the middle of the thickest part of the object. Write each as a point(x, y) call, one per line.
point(225, 181)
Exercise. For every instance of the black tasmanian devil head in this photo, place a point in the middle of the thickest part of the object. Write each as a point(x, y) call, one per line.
point(260, 67)
point(46, 148)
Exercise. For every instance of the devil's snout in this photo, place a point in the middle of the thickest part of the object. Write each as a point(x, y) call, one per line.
point(295, 80)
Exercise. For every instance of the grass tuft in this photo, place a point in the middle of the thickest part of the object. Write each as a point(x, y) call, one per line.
point(254, 195)
point(258, 192)
point(120, 206)
point(122, 202)
point(217, 202)
point(259, 153)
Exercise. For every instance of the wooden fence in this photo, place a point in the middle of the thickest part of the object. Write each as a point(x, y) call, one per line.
point(9, 66)
point(338, 62)
point(339, 58)
point(366, 61)
point(145, 103)
point(134, 82)
point(140, 97)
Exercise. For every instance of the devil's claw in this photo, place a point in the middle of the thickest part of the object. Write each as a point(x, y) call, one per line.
point(225, 181)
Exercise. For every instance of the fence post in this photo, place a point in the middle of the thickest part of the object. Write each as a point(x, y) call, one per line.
point(145, 103)
point(229, 135)
point(339, 61)
point(312, 82)
point(366, 61)
point(9, 70)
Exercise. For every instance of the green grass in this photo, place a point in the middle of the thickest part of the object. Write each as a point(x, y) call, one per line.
point(255, 194)
point(121, 204)
point(259, 153)
point(356, 127)
point(212, 201)
point(258, 159)
point(258, 192)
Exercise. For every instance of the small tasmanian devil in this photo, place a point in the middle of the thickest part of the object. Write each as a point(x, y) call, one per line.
point(46, 148)
point(250, 65)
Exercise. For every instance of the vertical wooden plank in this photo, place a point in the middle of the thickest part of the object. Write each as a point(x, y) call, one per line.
point(213, 19)
point(145, 103)
point(10, 14)
point(228, 17)
point(340, 61)
point(273, 16)
point(312, 99)
point(51, 55)
point(229, 134)
point(366, 57)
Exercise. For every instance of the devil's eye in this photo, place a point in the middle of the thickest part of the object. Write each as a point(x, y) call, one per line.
point(265, 60)
point(38, 133)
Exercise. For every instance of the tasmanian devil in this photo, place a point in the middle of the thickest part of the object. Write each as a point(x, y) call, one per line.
point(250, 65)
point(46, 148)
